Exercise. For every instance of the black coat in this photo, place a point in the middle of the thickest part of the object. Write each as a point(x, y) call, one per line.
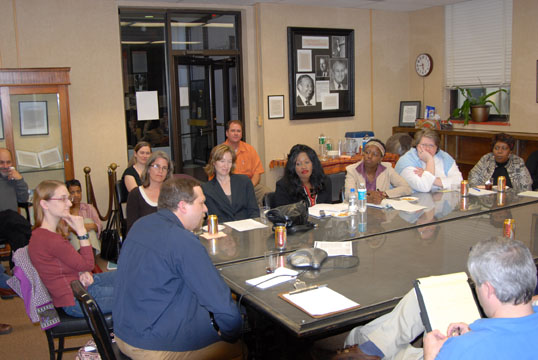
point(243, 205)
point(286, 193)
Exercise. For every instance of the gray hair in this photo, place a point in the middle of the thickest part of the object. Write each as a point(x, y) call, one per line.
point(175, 190)
point(507, 265)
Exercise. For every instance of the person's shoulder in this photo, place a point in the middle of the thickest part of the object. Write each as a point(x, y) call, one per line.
point(353, 166)
point(516, 159)
point(239, 178)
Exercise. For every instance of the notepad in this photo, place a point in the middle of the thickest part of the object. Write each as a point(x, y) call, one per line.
point(280, 275)
point(320, 301)
point(444, 300)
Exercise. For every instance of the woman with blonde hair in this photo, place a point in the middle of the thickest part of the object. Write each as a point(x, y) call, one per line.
point(55, 259)
point(132, 176)
point(143, 199)
point(229, 196)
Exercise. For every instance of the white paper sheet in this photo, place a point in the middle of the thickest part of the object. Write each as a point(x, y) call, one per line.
point(330, 209)
point(245, 225)
point(403, 205)
point(147, 105)
point(529, 193)
point(335, 248)
point(321, 301)
point(480, 192)
point(280, 275)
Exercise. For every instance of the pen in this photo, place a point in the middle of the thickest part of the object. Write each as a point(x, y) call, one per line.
point(477, 189)
point(313, 287)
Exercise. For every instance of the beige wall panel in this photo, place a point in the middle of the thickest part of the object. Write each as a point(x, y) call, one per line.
point(8, 53)
point(391, 69)
point(282, 134)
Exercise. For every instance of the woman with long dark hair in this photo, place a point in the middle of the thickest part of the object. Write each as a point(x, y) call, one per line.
point(55, 260)
point(303, 180)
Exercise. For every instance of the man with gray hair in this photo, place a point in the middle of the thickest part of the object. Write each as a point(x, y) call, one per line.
point(13, 188)
point(171, 302)
point(505, 276)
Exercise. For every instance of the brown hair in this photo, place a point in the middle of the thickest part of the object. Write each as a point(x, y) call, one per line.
point(44, 191)
point(238, 122)
point(138, 146)
point(217, 154)
point(175, 190)
point(154, 156)
point(428, 133)
point(505, 138)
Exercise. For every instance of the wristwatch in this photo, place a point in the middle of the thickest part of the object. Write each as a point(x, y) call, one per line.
point(84, 237)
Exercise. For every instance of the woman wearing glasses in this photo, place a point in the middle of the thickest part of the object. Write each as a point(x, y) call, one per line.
point(425, 167)
point(143, 200)
point(380, 179)
point(229, 196)
point(55, 260)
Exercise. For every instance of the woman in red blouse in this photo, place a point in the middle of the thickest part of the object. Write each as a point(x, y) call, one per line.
point(55, 259)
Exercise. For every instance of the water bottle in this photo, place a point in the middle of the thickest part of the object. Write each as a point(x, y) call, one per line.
point(365, 139)
point(362, 219)
point(352, 205)
point(321, 141)
point(362, 198)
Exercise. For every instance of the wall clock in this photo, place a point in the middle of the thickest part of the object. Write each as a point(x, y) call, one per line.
point(424, 64)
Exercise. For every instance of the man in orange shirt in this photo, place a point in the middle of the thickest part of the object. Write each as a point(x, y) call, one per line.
point(247, 160)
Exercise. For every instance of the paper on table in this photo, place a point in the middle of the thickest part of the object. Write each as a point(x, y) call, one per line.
point(320, 301)
point(480, 192)
point(280, 275)
point(335, 248)
point(245, 225)
point(403, 205)
point(529, 193)
point(330, 209)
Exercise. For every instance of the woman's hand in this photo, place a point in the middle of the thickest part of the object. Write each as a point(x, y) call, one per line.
point(86, 278)
point(423, 154)
point(419, 171)
point(375, 197)
point(76, 223)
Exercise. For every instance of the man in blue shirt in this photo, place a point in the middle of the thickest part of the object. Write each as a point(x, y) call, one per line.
point(505, 276)
point(171, 302)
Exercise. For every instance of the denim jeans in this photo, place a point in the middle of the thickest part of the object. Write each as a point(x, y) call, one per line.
point(102, 291)
point(4, 278)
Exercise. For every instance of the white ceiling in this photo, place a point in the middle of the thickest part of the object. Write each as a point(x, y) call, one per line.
point(389, 5)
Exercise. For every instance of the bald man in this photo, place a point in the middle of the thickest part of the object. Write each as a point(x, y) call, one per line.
point(13, 188)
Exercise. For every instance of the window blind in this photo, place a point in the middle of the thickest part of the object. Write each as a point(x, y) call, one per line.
point(478, 43)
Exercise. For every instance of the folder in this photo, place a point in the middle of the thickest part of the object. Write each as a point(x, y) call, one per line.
point(444, 300)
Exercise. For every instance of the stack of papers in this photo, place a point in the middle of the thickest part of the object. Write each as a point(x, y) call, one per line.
point(402, 205)
point(280, 275)
point(480, 192)
point(335, 248)
point(329, 209)
point(320, 301)
point(529, 193)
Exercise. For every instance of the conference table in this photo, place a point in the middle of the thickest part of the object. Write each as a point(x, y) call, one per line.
point(239, 246)
point(388, 256)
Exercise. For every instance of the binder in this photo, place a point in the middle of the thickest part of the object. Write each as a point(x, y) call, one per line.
point(445, 299)
point(319, 301)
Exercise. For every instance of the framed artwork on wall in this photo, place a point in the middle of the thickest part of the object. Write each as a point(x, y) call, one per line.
point(275, 106)
point(33, 118)
point(409, 113)
point(321, 73)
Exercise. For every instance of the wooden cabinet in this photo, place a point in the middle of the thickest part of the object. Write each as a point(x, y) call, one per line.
point(36, 125)
point(468, 146)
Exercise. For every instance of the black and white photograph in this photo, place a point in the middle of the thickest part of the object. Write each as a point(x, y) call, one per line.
point(306, 90)
point(320, 73)
point(322, 66)
point(33, 118)
point(338, 46)
point(338, 74)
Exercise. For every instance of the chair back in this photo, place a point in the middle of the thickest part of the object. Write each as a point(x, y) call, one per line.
point(269, 200)
point(95, 319)
point(121, 192)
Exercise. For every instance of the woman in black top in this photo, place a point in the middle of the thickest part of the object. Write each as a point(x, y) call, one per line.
point(132, 176)
point(303, 180)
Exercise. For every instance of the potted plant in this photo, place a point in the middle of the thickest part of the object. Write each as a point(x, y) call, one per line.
point(475, 109)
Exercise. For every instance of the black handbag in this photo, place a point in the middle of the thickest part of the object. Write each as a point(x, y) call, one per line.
point(111, 239)
point(293, 216)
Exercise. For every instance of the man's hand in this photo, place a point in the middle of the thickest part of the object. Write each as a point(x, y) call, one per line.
point(457, 329)
point(13, 174)
point(255, 179)
point(86, 278)
point(433, 342)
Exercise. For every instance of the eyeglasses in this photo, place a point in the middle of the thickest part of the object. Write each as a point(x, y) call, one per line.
point(431, 146)
point(64, 198)
point(159, 167)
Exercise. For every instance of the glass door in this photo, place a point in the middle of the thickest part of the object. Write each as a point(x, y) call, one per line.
point(207, 99)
